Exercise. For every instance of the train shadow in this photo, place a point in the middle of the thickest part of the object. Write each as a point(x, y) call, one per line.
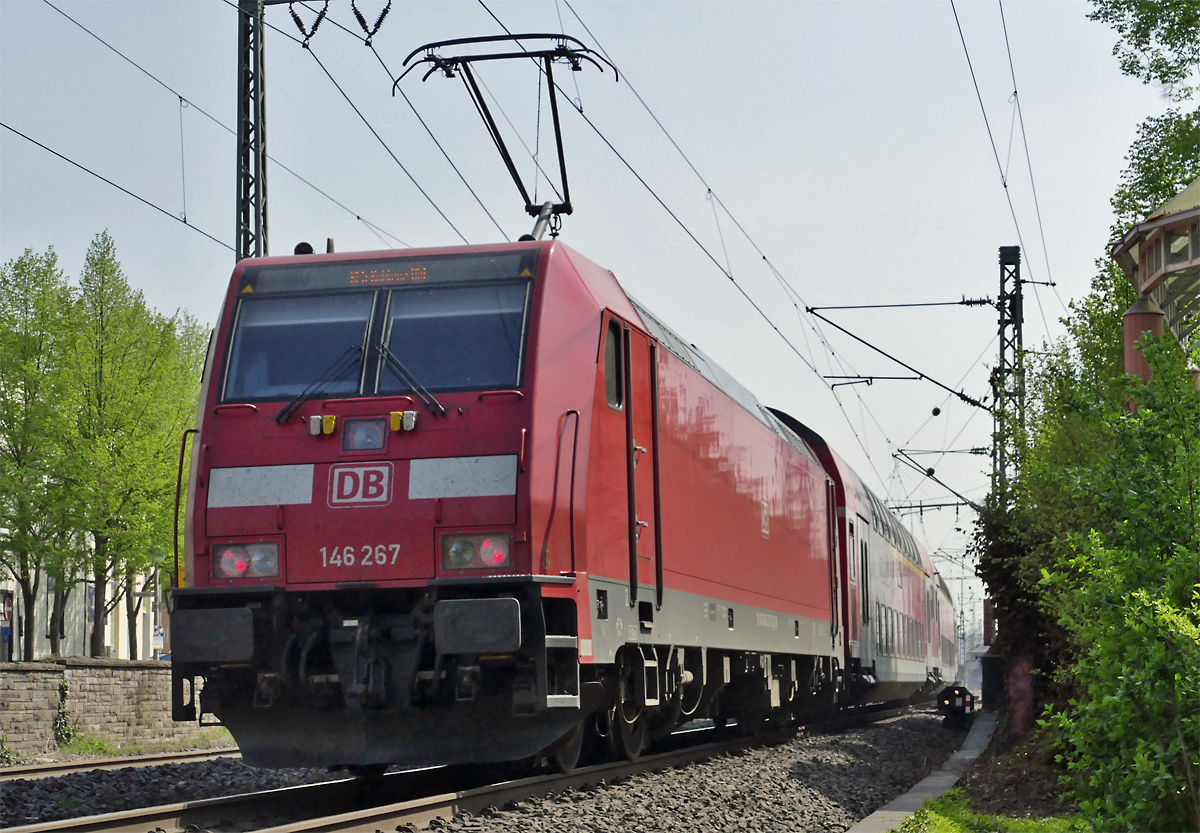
point(864, 768)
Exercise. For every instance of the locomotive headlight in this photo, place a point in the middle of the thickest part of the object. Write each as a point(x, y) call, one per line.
point(264, 559)
point(460, 554)
point(488, 551)
point(230, 562)
point(364, 434)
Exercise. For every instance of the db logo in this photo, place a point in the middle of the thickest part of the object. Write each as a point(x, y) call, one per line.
point(360, 484)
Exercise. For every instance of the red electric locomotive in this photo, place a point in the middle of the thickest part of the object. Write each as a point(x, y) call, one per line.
point(473, 504)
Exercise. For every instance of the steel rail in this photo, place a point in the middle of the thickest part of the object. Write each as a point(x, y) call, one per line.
point(12, 773)
point(336, 806)
point(286, 802)
point(422, 811)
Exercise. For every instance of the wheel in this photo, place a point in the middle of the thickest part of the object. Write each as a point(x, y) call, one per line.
point(564, 757)
point(627, 720)
point(630, 738)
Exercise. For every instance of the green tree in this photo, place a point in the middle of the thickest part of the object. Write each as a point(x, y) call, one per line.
point(1159, 39)
point(1163, 159)
point(1088, 550)
point(1129, 598)
point(34, 302)
point(136, 374)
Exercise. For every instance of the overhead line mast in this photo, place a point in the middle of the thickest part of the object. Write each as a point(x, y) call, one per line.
point(251, 217)
point(1008, 377)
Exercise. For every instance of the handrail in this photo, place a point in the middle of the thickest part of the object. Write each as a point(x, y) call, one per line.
point(630, 467)
point(562, 425)
point(654, 455)
point(831, 520)
point(515, 393)
point(178, 490)
point(236, 406)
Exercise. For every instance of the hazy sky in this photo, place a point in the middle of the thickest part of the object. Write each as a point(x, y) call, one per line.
point(844, 137)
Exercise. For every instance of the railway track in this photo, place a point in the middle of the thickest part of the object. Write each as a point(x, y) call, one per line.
point(369, 805)
point(12, 773)
point(412, 797)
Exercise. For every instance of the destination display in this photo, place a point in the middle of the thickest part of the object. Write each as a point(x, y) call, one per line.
point(303, 276)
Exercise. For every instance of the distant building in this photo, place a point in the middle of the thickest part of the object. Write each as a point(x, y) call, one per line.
point(1161, 259)
point(75, 634)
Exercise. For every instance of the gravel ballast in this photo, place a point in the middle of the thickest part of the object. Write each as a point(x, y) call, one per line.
point(809, 782)
point(108, 791)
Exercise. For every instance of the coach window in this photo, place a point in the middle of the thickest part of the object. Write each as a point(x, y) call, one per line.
point(614, 385)
point(850, 548)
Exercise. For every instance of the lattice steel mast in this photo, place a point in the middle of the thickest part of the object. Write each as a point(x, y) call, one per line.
point(251, 231)
point(1008, 377)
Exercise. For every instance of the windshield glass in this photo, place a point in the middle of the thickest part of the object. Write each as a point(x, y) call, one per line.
point(456, 337)
point(282, 344)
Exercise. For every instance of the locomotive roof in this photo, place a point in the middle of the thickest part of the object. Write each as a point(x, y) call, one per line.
point(693, 356)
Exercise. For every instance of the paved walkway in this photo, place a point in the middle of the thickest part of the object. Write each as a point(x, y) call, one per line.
point(892, 815)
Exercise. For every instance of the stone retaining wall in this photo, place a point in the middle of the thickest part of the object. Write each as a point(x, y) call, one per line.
point(120, 701)
point(28, 702)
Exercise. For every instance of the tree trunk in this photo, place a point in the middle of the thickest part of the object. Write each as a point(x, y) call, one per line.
point(29, 587)
point(100, 586)
point(56, 614)
point(131, 612)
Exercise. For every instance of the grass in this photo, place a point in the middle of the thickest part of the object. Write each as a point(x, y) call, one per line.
point(8, 755)
point(204, 739)
point(952, 813)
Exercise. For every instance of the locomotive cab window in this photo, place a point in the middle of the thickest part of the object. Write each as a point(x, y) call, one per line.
point(282, 344)
point(456, 337)
point(614, 379)
point(453, 323)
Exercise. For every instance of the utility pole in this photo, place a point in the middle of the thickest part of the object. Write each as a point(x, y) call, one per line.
point(251, 232)
point(1008, 377)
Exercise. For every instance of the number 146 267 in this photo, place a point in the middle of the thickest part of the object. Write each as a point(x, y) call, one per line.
point(366, 555)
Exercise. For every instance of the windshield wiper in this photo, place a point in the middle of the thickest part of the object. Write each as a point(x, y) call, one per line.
point(402, 372)
point(340, 367)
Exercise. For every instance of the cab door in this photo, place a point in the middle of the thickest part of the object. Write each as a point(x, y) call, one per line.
point(642, 464)
point(622, 518)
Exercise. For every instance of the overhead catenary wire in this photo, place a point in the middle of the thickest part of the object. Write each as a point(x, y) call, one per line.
point(87, 170)
point(364, 120)
point(996, 153)
point(711, 257)
point(192, 105)
point(182, 159)
point(1028, 159)
point(790, 290)
point(368, 42)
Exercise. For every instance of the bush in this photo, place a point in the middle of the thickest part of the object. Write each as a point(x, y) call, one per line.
point(1130, 600)
point(64, 730)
